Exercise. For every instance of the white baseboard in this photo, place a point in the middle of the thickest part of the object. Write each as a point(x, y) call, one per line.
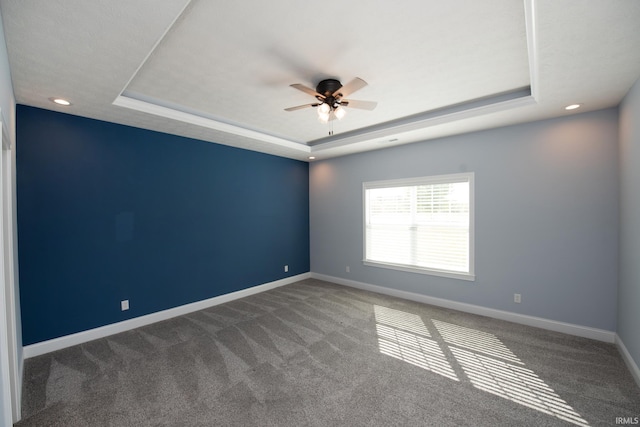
point(626, 356)
point(523, 319)
point(115, 328)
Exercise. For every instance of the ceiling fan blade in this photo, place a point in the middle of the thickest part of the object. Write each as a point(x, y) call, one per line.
point(307, 90)
point(300, 107)
point(363, 105)
point(349, 88)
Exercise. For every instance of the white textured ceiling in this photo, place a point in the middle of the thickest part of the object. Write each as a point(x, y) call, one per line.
point(220, 71)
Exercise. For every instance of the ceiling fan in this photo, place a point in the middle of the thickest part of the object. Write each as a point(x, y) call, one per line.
point(330, 94)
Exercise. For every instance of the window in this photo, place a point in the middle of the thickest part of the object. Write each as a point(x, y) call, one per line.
point(422, 225)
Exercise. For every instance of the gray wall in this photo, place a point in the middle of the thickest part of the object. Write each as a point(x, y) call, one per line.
point(7, 115)
point(546, 216)
point(629, 288)
point(7, 100)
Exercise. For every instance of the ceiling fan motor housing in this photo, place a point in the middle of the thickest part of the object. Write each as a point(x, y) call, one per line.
point(327, 88)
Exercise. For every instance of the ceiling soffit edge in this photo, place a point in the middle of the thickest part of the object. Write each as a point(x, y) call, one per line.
point(198, 120)
point(493, 104)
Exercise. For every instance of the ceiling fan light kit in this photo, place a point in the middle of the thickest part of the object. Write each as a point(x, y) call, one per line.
point(324, 108)
point(330, 93)
point(323, 117)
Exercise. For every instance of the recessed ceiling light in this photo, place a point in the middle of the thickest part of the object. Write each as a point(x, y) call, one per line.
point(60, 101)
point(311, 158)
point(572, 107)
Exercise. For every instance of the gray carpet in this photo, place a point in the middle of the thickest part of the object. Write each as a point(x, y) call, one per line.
point(318, 354)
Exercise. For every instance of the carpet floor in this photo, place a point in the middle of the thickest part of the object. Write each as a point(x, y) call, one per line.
point(319, 354)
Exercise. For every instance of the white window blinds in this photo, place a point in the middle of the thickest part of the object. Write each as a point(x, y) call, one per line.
point(421, 224)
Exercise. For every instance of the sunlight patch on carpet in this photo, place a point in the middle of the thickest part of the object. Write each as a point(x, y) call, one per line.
point(404, 336)
point(486, 361)
point(515, 383)
point(474, 340)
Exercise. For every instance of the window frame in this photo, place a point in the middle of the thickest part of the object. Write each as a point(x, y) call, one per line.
point(424, 180)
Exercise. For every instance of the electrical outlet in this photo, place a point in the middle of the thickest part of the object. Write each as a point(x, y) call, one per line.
point(348, 269)
point(286, 268)
point(124, 305)
point(517, 298)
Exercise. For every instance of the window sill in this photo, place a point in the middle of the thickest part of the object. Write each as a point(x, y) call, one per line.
point(431, 272)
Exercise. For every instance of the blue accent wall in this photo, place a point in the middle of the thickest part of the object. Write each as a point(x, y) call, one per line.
point(109, 212)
